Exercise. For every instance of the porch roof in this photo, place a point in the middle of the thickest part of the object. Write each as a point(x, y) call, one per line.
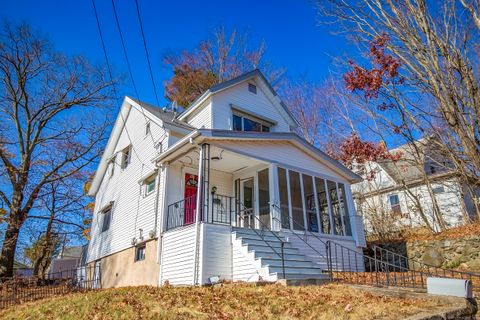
point(205, 135)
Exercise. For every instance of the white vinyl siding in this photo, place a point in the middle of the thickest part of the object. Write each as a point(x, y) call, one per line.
point(131, 210)
point(256, 104)
point(201, 117)
point(178, 254)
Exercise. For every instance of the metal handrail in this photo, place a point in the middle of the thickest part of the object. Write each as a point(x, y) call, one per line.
point(422, 265)
point(176, 213)
point(264, 227)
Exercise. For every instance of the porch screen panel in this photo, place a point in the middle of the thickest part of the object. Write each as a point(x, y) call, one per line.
point(337, 220)
point(309, 198)
point(283, 192)
point(264, 198)
point(322, 205)
point(296, 200)
point(344, 208)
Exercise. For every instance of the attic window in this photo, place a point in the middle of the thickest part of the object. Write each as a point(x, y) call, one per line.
point(147, 128)
point(126, 156)
point(242, 122)
point(252, 88)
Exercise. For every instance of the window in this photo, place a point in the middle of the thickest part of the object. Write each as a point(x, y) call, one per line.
point(111, 165)
point(140, 253)
point(252, 88)
point(264, 197)
point(282, 188)
point(296, 200)
point(149, 185)
point(126, 155)
point(242, 123)
point(439, 189)
point(395, 203)
point(309, 200)
point(334, 201)
point(147, 128)
point(344, 209)
point(323, 205)
point(107, 217)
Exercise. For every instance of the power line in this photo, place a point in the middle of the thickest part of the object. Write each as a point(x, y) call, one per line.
point(111, 78)
point(128, 64)
point(146, 52)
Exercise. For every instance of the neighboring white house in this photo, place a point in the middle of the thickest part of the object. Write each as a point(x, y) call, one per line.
point(214, 192)
point(391, 189)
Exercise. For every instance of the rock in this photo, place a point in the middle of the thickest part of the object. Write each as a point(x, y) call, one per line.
point(474, 265)
point(433, 256)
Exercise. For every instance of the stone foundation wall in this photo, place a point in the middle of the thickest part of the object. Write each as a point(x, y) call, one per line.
point(463, 253)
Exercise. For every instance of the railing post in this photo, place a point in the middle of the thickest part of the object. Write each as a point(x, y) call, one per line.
point(283, 260)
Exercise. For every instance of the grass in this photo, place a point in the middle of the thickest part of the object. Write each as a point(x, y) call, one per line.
point(239, 301)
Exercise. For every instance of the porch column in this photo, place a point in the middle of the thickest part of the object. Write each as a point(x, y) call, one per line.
point(203, 194)
point(275, 214)
point(356, 221)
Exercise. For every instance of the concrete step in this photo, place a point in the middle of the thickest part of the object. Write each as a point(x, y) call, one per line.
point(307, 271)
point(268, 255)
point(277, 262)
point(261, 236)
point(259, 242)
point(266, 249)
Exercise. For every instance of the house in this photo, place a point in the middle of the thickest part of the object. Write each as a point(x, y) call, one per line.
point(393, 190)
point(66, 262)
point(223, 190)
point(22, 270)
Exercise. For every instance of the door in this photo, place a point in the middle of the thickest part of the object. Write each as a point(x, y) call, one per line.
point(248, 201)
point(190, 198)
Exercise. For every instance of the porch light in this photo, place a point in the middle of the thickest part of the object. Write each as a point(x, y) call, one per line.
point(214, 190)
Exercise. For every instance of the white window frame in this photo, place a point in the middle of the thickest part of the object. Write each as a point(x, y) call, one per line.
point(243, 116)
point(104, 213)
point(126, 157)
point(111, 167)
point(146, 182)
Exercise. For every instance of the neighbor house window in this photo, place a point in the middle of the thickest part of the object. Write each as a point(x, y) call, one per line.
point(243, 123)
point(395, 203)
point(107, 217)
point(439, 189)
point(252, 88)
point(140, 253)
point(149, 184)
point(126, 156)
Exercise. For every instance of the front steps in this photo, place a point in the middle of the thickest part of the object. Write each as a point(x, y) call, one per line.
point(268, 259)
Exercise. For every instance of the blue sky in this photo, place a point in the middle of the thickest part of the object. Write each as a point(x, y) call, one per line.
point(293, 37)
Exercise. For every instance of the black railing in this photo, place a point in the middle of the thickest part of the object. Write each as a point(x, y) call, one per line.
point(222, 209)
point(396, 260)
point(22, 289)
point(181, 213)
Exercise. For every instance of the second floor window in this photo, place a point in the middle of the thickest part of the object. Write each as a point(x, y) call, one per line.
point(242, 123)
point(395, 204)
point(126, 156)
point(111, 165)
point(149, 185)
point(107, 217)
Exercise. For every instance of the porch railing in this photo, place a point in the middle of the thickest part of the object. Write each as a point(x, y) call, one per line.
point(181, 213)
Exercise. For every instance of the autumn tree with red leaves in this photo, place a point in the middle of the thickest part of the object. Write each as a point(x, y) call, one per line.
point(221, 57)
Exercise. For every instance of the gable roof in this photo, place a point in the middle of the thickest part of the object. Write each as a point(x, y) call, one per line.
point(257, 74)
point(163, 118)
point(295, 139)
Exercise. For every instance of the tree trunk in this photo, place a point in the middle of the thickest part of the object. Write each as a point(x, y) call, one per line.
point(8, 249)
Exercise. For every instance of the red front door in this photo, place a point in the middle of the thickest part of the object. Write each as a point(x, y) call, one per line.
point(190, 196)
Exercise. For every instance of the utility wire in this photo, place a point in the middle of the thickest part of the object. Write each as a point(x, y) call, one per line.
point(129, 66)
point(146, 52)
point(113, 82)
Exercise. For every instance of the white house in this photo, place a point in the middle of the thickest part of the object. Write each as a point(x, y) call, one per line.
point(224, 189)
point(392, 191)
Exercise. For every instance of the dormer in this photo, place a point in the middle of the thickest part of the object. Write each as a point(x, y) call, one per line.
point(245, 103)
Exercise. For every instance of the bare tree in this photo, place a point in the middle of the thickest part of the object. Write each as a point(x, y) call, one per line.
point(53, 123)
point(219, 58)
point(436, 45)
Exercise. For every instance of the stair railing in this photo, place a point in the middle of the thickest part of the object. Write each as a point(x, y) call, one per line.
point(386, 255)
point(247, 213)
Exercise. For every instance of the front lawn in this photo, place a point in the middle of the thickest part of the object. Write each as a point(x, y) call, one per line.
point(238, 301)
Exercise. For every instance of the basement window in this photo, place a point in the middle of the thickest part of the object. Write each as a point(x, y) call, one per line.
point(439, 189)
point(140, 253)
